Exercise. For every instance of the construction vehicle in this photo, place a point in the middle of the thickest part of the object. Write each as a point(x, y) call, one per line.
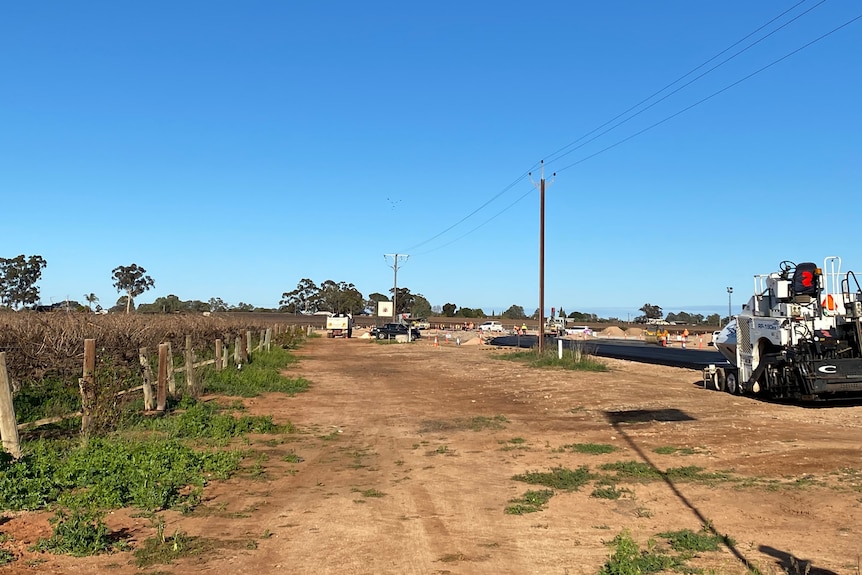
point(339, 325)
point(799, 337)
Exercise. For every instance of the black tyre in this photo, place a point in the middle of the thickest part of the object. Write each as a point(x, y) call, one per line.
point(381, 336)
point(718, 380)
point(731, 384)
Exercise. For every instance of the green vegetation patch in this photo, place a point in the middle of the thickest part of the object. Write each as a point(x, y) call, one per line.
point(608, 492)
point(530, 502)
point(628, 559)
point(111, 473)
point(6, 557)
point(208, 420)
point(477, 423)
point(558, 478)
point(167, 549)
point(573, 359)
point(77, 532)
point(262, 374)
point(688, 540)
point(590, 448)
point(640, 471)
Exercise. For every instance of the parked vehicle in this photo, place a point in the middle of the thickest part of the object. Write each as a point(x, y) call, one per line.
point(420, 323)
point(390, 330)
point(492, 326)
point(339, 326)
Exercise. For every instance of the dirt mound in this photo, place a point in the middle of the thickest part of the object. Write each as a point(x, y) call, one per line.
point(613, 331)
point(634, 332)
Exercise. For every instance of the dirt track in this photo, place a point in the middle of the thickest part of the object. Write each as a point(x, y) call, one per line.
point(393, 480)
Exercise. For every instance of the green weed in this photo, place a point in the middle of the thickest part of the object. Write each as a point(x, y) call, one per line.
point(292, 457)
point(262, 374)
point(575, 359)
point(640, 471)
point(111, 473)
point(688, 540)
point(590, 448)
point(669, 450)
point(77, 532)
point(6, 557)
point(164, 550)
point(201, 420)
point(530, 502)
point(628, 559)
point(558, 478)
point(609, 492)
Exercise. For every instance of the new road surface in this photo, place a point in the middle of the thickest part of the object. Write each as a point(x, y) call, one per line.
point(625, 349)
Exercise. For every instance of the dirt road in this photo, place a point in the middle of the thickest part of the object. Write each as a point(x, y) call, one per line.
point(405, 459)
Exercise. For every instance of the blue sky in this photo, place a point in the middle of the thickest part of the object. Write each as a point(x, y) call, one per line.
point(234, 148)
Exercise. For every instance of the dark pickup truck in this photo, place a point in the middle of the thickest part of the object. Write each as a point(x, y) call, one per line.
point(390, 330)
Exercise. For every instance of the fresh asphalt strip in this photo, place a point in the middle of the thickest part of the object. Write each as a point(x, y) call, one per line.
point(630, 350)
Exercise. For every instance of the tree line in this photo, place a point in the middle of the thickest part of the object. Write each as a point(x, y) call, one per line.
point(19, 276)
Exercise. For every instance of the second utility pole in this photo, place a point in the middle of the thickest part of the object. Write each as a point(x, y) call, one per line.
point(395, 286)
point(541, 260)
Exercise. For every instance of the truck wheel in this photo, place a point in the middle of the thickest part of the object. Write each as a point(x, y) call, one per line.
point(731, 385)
point(381, 336)
point(718, 380)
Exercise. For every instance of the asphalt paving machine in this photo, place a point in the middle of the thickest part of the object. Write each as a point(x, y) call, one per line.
point(798, 337)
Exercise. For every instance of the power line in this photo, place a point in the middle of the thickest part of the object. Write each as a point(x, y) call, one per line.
point(714, 94)
point(689, 83)
point(557, 155)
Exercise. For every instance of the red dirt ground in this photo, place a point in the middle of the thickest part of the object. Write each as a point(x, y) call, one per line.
point(392, 479)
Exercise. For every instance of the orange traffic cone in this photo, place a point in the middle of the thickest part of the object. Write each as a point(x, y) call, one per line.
point(435, 341)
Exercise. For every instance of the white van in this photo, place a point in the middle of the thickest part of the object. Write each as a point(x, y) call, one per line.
point(492, 326)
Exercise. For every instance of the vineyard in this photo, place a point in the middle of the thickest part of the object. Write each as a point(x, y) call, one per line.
point(111, 411)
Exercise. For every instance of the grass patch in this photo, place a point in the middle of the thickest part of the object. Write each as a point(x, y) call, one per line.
point(199, 420)
point(608, 492)
point(628, 559)
point(77, 532)
point(573, 359)
point(640, 471)
point(558, 478)
point(477, 423)
point(109, 473)
point(530, 502)
point(162, 550)
point(262, 374)
point(292, 457)
point(516, 443)
point(632, 470)
point(590, 448)
point(688, 540)
point(6, 557)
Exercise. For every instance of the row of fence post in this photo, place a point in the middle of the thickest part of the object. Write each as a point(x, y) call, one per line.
point(156, 388)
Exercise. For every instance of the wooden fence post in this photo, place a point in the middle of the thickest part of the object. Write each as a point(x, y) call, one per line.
point(172, 378)
point(147, 372)
point(247, 343)
point(191, 382)
point(161, 388)
point(218, 364)
point(268, 339)
point(237, 351)
point(8, 423)
point(225, 353)
point(262, 337)
point(87, 385)
point(244, 344)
